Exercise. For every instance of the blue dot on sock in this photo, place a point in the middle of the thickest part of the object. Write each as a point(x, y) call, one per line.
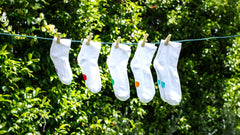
point(163, 84)
point(159, 82)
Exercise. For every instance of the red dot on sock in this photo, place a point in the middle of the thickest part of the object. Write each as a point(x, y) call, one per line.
point(84, 77)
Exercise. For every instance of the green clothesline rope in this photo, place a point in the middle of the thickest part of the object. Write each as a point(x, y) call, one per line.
point(77, 41)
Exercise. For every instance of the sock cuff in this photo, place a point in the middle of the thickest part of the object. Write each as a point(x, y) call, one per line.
point(150, 46)
point(96, 45)
point(65, 42)
point(173, 44)
point(60, 50)
point(146, 52)
point(123, 47)
point(119, 55)
point(172, 49)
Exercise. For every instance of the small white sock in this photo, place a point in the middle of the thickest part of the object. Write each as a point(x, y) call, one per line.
point(88, 61)
point(59, 55)
point(165, 64)
point(117, 64)
point(140, 66)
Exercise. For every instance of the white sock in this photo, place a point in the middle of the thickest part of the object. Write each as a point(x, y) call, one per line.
point(59, 55)
point(117, 64)
point(88, 61)
point(165, 64)
point(140, 66)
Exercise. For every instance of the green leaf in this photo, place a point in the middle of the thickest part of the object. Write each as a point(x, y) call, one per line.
point(16, 79)
point(3, 132)
point(29, 21)
point(2, 125)
point(29, 56)
point(3, 48)
point(41, 15)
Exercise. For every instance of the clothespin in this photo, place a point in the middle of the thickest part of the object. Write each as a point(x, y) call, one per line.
point(144, 40)
point(117, 42)
point(89, 38)
point(58, 37)
point(168, 39)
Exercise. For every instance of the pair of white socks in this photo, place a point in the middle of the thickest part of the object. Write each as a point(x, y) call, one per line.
point(117, 63)
point(165, 64)
point(87, 60)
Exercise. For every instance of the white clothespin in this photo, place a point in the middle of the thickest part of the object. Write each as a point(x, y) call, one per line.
point(58, 37)
point(89, 38)
point(144, 40)
point(117, 42)
point(168, 39)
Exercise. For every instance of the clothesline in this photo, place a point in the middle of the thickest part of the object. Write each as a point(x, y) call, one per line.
point(78, 41)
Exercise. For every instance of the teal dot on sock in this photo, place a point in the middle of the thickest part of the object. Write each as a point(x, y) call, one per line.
point(163, 84)
point(159, 82)
point(112, 81)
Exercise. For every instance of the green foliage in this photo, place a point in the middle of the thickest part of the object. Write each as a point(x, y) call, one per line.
point(33, 100)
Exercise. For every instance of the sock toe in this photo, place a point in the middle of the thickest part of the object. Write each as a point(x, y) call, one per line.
point(121, 95)
point(94, 89)
point(66, 81)
point(173, 98)
point(145, 98)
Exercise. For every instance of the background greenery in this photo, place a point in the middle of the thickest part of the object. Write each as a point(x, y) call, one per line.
point(33, 100)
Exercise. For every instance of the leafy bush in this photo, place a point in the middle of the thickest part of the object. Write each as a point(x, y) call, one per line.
point(33, 100)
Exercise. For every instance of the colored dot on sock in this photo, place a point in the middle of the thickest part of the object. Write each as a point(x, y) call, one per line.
point(84, 77)
point(137, 83)
point(112, 81)
point(163, 84)
point(159, 82)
